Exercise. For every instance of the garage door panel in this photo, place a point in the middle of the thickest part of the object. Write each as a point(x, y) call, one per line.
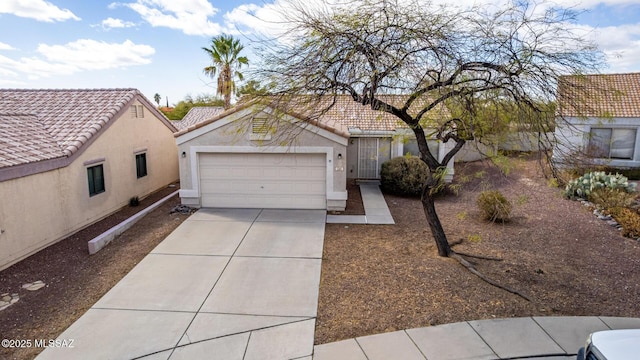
point(263, 180)
point(268, 202)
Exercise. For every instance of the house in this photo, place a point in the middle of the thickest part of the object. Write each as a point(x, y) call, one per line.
point(598, 120)
point(69, 158)
point(197, 115)
point(244, 158)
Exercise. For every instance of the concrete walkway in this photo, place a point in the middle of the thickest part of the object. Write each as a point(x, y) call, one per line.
point(376, 210)
point(549, 338)
point(229, 284)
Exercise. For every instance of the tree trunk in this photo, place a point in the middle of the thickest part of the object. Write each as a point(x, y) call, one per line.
point(428, 205)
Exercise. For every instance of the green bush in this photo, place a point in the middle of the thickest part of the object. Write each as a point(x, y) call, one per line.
point(494, 206)
point(583, 186)
point(403, 176)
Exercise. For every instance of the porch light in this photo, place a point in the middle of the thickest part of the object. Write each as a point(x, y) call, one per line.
point(340, 163)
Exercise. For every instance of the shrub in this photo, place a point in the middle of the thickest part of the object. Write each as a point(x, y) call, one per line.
point(403, 176)
point(134, 201)
point(583, 186)
point(628, 219)
point(605, 198)
point(494, 206)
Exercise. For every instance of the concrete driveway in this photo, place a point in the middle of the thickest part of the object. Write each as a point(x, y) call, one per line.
point(226, 284)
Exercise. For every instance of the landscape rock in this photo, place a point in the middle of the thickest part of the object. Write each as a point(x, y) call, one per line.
point(7, 300)
point(36, 285)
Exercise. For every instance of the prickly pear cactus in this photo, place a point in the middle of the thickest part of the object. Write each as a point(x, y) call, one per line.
point(584, 185)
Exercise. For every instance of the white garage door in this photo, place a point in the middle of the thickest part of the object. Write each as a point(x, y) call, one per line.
point(263, 180)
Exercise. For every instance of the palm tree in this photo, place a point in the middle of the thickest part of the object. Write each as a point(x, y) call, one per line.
point(157, 98)
point(224, 52)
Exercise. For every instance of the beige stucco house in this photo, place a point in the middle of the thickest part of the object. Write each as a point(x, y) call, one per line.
point(244, 158)
point(69, 158)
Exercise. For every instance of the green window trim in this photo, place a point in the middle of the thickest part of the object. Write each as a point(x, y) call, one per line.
point(95, 177)
point(141, 165)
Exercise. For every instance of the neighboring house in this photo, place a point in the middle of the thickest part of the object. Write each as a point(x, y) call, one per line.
point(241, 158)
point(69, 158)
point(599, 117)
point(197, 115)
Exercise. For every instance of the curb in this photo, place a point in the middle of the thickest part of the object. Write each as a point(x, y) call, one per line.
point(106, 237)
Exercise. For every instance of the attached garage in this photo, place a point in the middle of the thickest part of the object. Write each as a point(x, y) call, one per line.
point(244, 159)
point(263, 180)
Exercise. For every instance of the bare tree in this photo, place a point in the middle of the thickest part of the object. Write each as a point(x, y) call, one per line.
point(434, 56)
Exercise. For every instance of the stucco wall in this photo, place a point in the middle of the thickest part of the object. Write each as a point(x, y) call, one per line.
point(572, 138)
point(233, 134)
point(38, 210)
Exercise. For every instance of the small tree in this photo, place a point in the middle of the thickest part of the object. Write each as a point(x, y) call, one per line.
point(224, 52)
point(472, 58)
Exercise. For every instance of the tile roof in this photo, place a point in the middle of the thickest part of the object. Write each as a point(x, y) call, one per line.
point(24, 139)
point(38, 125)
point(606, 95)
point(356, 116)
point(198, 114)
point(343, 118)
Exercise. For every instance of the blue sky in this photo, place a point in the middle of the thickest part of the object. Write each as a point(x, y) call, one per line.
point(155, 45)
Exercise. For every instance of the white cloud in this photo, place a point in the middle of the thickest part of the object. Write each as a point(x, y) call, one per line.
point(110, 23)
point(77, 56)
point(588, 4)
point(265, 20)
point(189, 16)
point(40, 10)
point(86, 54)
point(4, 46)
point(621, 45)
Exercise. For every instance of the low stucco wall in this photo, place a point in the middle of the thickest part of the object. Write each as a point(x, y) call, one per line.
point(515, 141)
point(41, 209)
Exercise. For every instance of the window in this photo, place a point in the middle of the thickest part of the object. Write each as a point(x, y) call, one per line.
point(137, 111)
point(612, 143)
point(95, 175)
point(141, 165)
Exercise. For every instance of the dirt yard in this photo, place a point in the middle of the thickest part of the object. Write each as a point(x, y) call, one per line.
point(378, 278)
point(74, 279)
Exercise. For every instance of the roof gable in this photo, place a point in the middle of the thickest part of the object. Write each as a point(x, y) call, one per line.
point(344, 116)
point(610, 95)
point(63, 120)
point(253, 110)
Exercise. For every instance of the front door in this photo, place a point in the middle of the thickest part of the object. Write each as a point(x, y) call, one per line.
point(368, 158)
